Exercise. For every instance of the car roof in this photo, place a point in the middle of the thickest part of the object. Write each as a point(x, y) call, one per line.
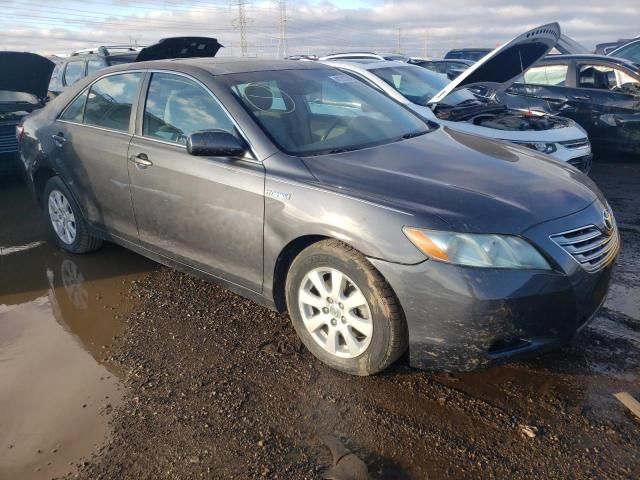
point(470, 49)
point(369, 65)
point(594, 57)
point(222, 65)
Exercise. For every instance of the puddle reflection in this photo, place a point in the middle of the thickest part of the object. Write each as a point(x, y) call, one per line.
point(58, 312)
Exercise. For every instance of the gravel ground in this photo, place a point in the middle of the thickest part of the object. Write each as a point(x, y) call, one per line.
point(218, 387)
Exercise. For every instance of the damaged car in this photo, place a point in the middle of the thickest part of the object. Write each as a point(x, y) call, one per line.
point(82, 63)
point(23, 89)
point(601, 93)
point(454, 105)
point(302, 188)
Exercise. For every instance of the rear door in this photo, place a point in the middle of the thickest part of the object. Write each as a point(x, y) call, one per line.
point(205, 212)
point(92, 137)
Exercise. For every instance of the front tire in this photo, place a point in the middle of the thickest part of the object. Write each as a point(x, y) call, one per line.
point(343, 310)
point(65, 219)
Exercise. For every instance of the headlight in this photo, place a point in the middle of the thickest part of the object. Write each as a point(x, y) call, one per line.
point(477, 250)
point(541, 147)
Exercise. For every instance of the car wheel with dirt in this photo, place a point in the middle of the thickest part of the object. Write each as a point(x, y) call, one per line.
point(343, 310)
point(65, 219)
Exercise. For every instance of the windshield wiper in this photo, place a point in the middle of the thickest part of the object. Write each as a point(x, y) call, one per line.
point(417, 133)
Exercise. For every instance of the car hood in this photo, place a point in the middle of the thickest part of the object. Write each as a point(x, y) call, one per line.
point(507, 62)
point(25, 72)
point(473, 184)
point(567, 45)
point(180, 47)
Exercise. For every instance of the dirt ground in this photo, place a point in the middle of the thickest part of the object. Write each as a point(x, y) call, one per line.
point(210, 385)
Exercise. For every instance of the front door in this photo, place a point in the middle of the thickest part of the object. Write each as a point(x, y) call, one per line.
point(204, 212)
point(605, 95)
point(92, 138)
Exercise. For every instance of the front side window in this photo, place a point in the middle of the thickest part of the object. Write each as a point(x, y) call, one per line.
point(110, 100)
point(176, 107)
point(316, 111)
point(73, 72)
point(75, 111)
point(552, 75)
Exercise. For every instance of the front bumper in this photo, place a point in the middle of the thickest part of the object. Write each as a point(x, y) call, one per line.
point(463, 318)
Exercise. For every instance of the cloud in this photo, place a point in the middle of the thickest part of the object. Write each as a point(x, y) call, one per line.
point(312, 26)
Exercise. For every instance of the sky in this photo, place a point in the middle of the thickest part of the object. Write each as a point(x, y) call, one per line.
point(418, 28)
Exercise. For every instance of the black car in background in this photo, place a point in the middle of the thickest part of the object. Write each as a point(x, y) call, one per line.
point(473, 54)
point(629, 51)
point(450, 68)
point(85, 62)
point(23, 89)
point(599, 92)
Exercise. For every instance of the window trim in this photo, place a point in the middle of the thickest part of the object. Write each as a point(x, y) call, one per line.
point(142, 101)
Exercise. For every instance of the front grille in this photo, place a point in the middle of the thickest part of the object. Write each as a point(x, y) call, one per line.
point(581, 163)
point(573, 144)
point(8, 140)
point(589, 246)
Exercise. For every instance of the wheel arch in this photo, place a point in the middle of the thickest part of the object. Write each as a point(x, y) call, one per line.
point(40, 178)
point(283, 262)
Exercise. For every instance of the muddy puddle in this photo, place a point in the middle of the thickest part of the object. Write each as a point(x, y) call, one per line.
point(58, 315)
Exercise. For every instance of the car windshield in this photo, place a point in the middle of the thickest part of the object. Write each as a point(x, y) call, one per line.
point(318, 111)
point(419, 85)
point(7, 96)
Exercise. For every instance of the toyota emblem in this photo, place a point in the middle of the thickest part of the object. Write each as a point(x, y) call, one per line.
point(608, 220)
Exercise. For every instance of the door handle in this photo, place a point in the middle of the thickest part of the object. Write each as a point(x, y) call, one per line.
point(59, 139)
point(141, 160)
point(583, 98)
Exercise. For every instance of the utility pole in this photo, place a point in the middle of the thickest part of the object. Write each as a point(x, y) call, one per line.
point(399, 40)
point(426, 44)
point(282, 37)
point(241, 24)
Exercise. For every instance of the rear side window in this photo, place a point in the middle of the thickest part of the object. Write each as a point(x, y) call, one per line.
point(177, 106)
point(630, 52)
point(94, 66)
point(73, 72)
point(110, 100)
point(75, 110)
point(553, 75)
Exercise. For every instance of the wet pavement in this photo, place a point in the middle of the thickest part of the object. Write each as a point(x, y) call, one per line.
point(57, 314)
point(143, 372)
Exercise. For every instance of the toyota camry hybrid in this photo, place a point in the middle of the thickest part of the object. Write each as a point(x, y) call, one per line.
point(302, 188)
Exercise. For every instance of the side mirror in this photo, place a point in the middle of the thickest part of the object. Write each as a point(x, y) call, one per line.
point(214, 143)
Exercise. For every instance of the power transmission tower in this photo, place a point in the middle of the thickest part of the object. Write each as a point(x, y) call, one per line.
point(240, 22)
point(282, 37)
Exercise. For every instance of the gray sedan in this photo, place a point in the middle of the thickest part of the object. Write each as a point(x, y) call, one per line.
point(308, 191)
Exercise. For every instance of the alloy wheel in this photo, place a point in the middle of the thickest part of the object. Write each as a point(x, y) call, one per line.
point(335, 312)
point(62, 218)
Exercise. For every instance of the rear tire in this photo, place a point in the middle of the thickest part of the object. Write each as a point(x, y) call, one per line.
point(343, 310)
point(65, 219)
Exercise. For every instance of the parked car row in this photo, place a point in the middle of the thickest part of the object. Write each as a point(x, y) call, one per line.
point(376, 226)
point(452, 105)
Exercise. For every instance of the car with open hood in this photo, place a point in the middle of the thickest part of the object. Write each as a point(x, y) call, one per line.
point(23, 88)
point(304, 189)
point(601, 93)
point(82, 63)
point(454, 105)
